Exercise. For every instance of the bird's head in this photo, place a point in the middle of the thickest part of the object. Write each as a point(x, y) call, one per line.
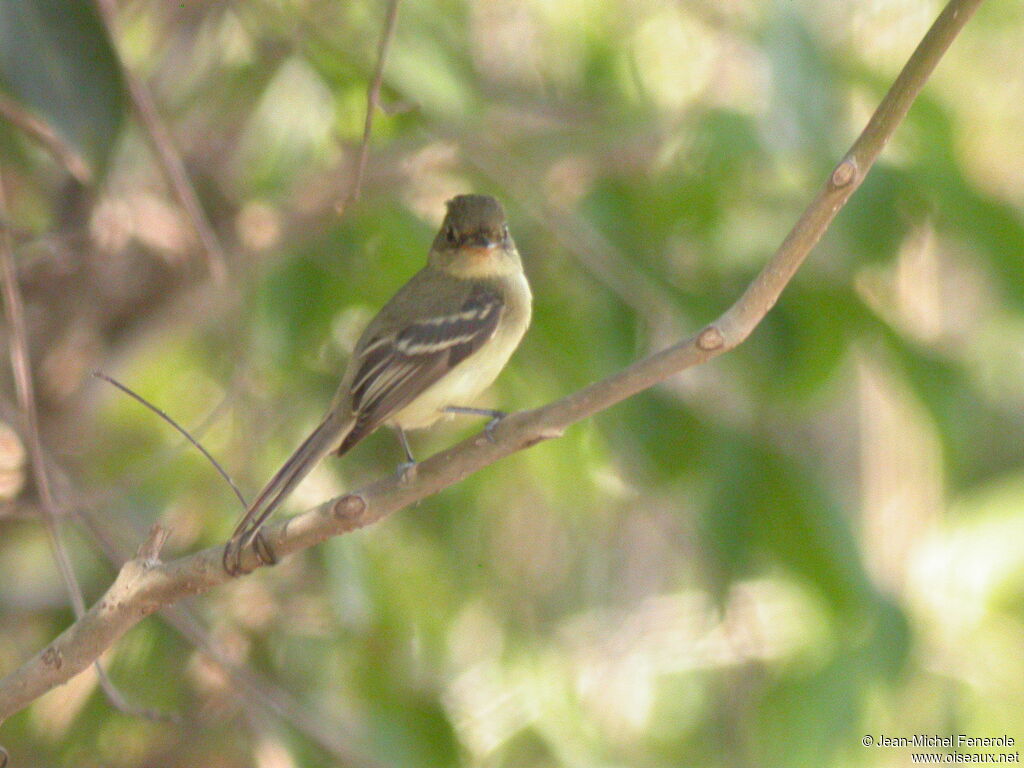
point(474, 239)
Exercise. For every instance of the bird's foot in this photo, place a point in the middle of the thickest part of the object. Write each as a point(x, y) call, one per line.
point(496, 419)
point(496, 416)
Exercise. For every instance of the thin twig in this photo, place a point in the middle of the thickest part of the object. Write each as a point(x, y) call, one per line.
point(22, 367)
point(372, 103)
point(332, 736)
point(181, 430)
point(170, 161)
point(329, 735)
point(15, 313)
point(159, 462)
point(134, 594)
point(48, 138)
point(251, 688)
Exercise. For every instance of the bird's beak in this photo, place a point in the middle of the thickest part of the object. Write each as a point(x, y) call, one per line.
point(481, 246)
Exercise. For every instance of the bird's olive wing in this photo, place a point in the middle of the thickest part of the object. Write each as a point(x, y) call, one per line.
point(395, 369)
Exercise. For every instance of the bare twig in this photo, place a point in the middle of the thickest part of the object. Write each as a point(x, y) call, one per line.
point(136, 593)
point(22, 367)
point(15, 312)
point(274, 700)
point(170, 161)
point(48, 138)
point(159, 462)
point(330, 734)
point(332, 737)
point(372, 103)
point(181, 430)
point(252, 689)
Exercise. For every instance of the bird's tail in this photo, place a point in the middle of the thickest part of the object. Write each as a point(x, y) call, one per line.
point(330, 432)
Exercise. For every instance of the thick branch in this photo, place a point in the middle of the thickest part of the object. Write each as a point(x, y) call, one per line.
point(143, 587)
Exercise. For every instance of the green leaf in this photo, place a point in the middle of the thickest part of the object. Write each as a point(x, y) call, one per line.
point(56, 58)
point(764, 505)
point(804, 721)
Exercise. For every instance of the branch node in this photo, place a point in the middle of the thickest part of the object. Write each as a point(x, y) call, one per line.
point(149, 550)
point(349, 507)
point(551, 433)
point(53, 658)
point(542, 434)
point(844, 173)
point(710, 339)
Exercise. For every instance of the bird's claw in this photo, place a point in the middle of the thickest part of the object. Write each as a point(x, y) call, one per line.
point(406, 471)
point(492, 424)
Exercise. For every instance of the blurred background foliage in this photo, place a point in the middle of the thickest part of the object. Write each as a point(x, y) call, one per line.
point(814, 537)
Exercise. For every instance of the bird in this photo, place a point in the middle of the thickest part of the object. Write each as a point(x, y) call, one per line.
point(437, 344)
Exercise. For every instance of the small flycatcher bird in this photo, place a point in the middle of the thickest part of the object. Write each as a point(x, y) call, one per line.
point(438, 343)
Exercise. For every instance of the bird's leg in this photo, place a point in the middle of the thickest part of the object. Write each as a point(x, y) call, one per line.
point(496, 416)
point(407, 469)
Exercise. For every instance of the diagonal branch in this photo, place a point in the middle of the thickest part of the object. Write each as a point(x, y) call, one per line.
point(372, 103)
point(170, 161)
point(48, 138)
point(143, 587)
point(256, 693)
point(178, 428)
point(253, 691)
point(14, 309)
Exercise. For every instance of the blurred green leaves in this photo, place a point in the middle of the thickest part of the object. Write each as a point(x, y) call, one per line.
point(56, 58)
point(761, 505)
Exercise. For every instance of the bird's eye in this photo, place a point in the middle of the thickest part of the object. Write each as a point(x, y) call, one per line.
point(449, 235)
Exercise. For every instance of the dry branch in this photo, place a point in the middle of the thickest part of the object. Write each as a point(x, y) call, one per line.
point(14, 311)
point(145, 586)
point(372, 103)
point(170, 161)
point(48, 138)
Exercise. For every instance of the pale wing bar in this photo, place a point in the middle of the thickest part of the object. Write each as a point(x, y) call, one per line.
point(394, 370)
